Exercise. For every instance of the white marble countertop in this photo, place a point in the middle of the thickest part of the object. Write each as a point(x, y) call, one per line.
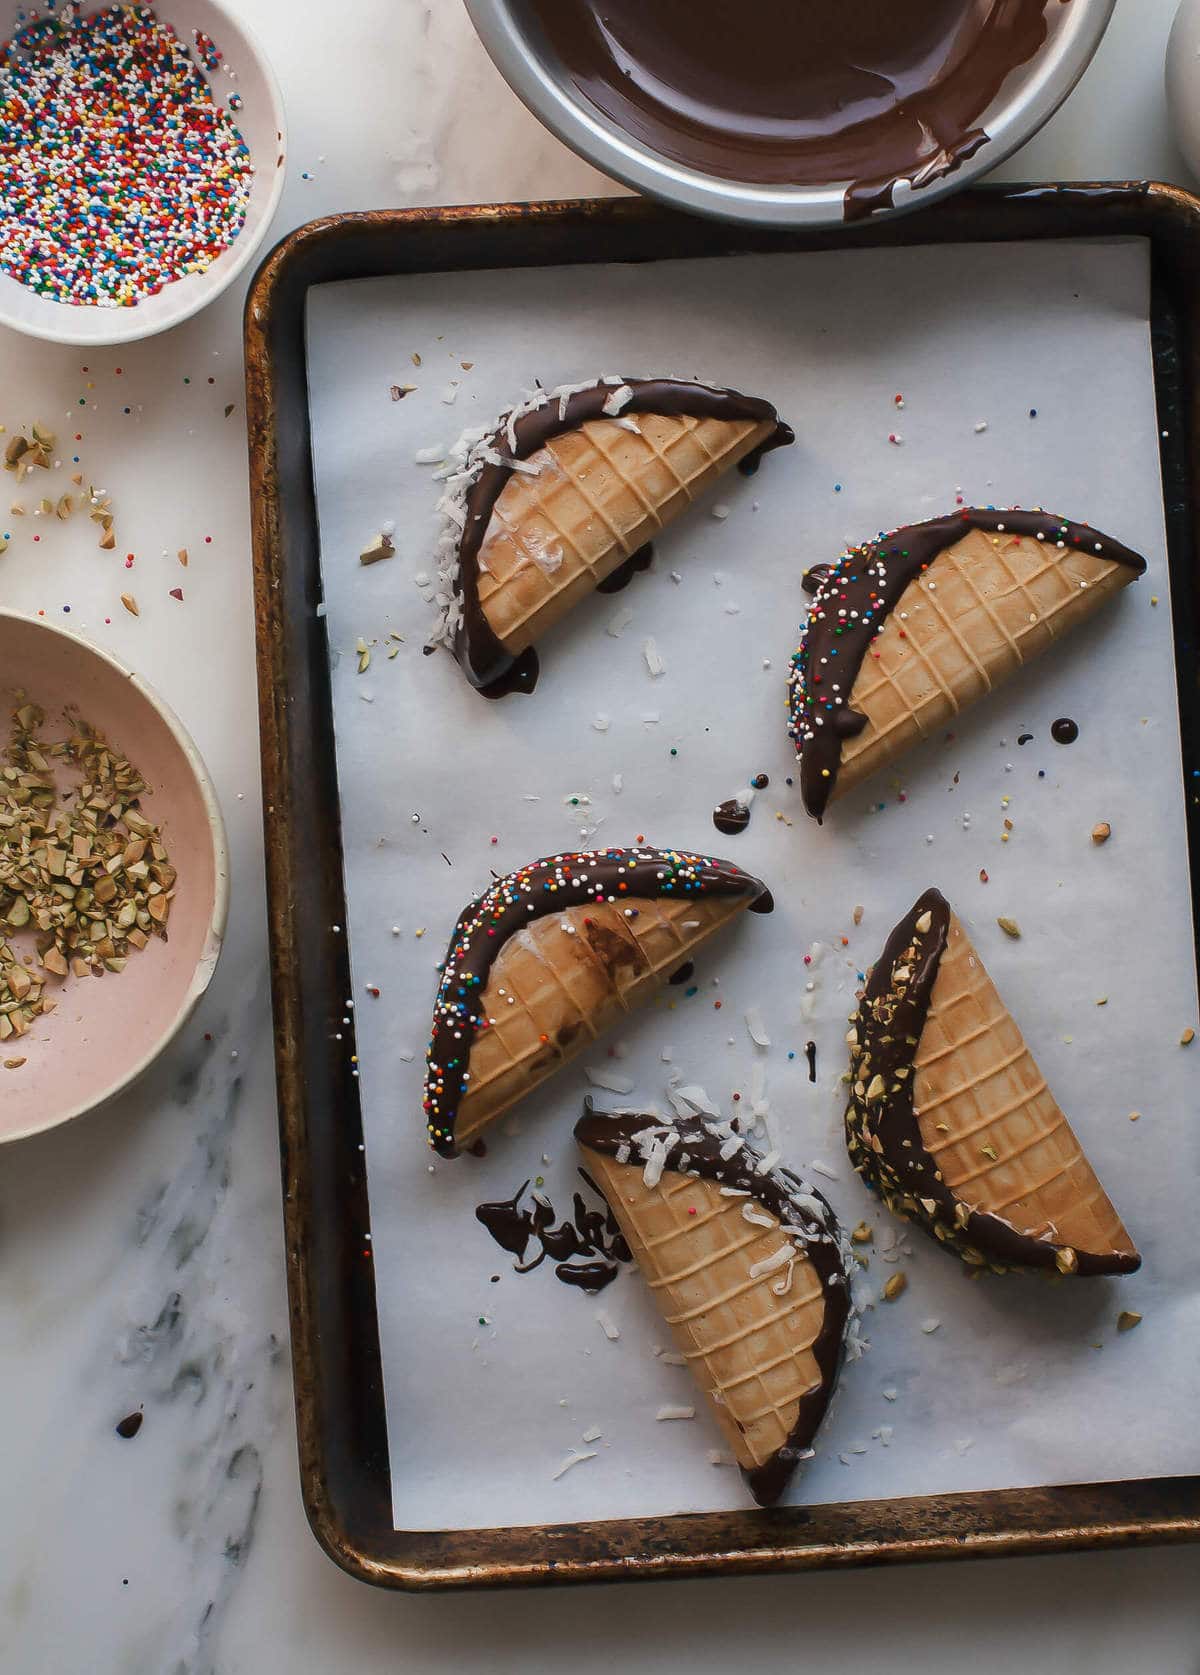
point(140, 1250)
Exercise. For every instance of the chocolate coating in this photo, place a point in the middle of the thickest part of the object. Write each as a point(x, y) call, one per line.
point(548, 886)
point(791, 1201)
point(852, 600)
point(787, 94)
point(883, 1135)
point(483, 657)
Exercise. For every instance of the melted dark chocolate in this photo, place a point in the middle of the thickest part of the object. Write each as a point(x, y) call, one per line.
point(810, 1053)
point(129, 1426)
point(852, 600)
point(783, 1194)
point(789, 94)
point(586, 1251)
point(635, 565)
point(883, 1134)
point(544, 887)
point(731, 817)
point(484, 659)
point(1064, 730)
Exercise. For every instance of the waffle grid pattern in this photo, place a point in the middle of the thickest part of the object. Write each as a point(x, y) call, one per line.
point(749, 1350)
point(552, 989)
point(603, 492)
point(977, 1085)
point(995, 603)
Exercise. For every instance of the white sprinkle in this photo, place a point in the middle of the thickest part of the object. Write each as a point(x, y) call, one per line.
point(824, 1169)
point(885, 1433)
point(619, 621)
point(575, 1458)
point(592, 1434)
point(757, 1028)
point(720, 511)
point(651, 717)
point(963, 1443)
point(890, 1394)
point(676, 576)
point(981, 426)
point(670, 1358)
point(674, 1411)
point(607, 1325)
point(618, 783)
point(611, 1080)
point(407, 1055)
point(653, 658)
point(601, 723)
point(665, 1055)
point(716, 1458)
point(733, 610)
point(429, 456)
point(930, 1325)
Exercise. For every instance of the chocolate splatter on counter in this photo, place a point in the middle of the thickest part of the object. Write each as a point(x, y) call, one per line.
point(129, 1426)
point(483, 461)
point(544, 887)
point(733, 815)
point(1064, 730)
point(586, 1250)
point(853, 599)
point(810, 1053)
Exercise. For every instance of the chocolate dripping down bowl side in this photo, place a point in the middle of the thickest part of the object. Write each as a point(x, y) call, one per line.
point(525, 39)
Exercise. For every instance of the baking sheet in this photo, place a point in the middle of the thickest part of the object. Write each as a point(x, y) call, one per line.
point(1025, 376)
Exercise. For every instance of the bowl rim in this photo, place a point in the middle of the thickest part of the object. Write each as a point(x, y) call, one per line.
point(218, 917)
point(245, 249)
point(601, 142)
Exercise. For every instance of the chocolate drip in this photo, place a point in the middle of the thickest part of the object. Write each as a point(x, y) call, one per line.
point(865, 91)
point(636, 565)
point(476, 646)
point(784, 1195)
point(586, 1251)
point(684, 975)
point(731, 817)
point(883, 1134)
point(852, 600)
point(544, 887)
point(1064, 730)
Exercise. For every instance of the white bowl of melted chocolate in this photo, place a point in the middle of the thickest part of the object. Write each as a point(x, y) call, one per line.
point(793, 112)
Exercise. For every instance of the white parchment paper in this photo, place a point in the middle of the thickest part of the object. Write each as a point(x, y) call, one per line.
point(492, 1383)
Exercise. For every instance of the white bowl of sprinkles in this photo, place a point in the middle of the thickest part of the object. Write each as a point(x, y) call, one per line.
point(141, 162)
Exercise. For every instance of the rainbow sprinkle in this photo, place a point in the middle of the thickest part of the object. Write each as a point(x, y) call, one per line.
point(118, 171)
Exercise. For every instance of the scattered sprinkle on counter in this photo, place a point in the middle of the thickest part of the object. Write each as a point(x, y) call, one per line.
point(118, 171)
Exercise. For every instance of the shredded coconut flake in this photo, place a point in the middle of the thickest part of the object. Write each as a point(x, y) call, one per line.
point(619, 621)
point(770, 1264)
point(607, 1325)
point(575, 1458)
point(756, 1027)
point(670, 1410)
point(611, 1080)
point(653, 658)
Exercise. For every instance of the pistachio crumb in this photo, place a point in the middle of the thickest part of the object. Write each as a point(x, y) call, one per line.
point(1127, 1320)
point(1188, 1036)
point(897, 1284)
point(1009, 926)
point(1101, 832)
